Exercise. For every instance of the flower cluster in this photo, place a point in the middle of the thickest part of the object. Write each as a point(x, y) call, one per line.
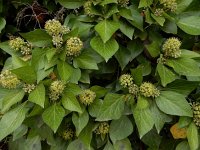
point(196, 114)
point(18, 44)
point(149, 90)
point(8, 80)
point(74, 46)
point(88, 8)
point(123, 3)
point(171, 47)
point(28, 88)
point(56, 89)
point(159, 12)
point(169, 4)
point(67, 134)
point(133, 89)
point(87, 97)
point(56, 30)
point(103, 128)
point(126, 80)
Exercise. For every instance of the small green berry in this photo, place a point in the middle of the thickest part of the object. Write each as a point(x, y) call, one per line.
point(87, 97)
point(56, 89)
point(16, 43)
point(8, 80)
point(103, 128)
point(74, 46)
point(133, 89)
point(196, 113)
point(126, 80)
point(171, 47)
point(149, 90)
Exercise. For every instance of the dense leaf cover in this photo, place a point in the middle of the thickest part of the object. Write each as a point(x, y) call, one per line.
point(100, 74)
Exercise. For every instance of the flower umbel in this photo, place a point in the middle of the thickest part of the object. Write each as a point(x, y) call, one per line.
point(133, 89)
point(74, 46)
point(87, 97)
point(149, 90)
point(103, 128)
point(169, 4)
point(28, 88)
point(123, 3)
point(68, 134)
point(171, 47)
point(88, 8)
point(56, 88)
point(8, 80)
point(126, 80)
point(196, 113)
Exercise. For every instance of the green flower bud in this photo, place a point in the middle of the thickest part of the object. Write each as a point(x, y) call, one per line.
point(159, 12)
point(28, 88)
point(68, 134)
point(103, 128)
point(87, 97)
point(8, 80)
point(133, 89)
point(57, 40)
point(26, 49)
point(123, 3)
point(149, 90)
point(171, 48)
point(74, 46)
point(54, 27)
point(126, 80)
point(169, 4)
point(88, 8)
point(56, 89)
point(196, 113)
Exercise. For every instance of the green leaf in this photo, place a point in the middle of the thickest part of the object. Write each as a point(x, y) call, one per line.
point(124, 144)
point(181, 86)
point(170, 27)
point(11, 98)
point(76, 76)
point(80, 121)
point(71, 4)
point(174, 104)
point(183, 146)
point(166, 75)
point(159, 20)
point(105, 2)
point(159, 117)
point(65, 70)
point(100, 91)
point(76, 145)
point(144, 120)
point(12, 120)
point(145, 3)
point(106, 50)
point(137, 75)
point(120, 129)
point(127, 29)
point(184, 66)
point(190, 25)
point(153, 48)
point(106, 29)
point(2, 23)
point(95, 107)
point(19, 132)
point(37, 37)
point(112, 107)
point(37, 96)
point(26, 73)
point(5, 47)
point(53, 116)
point(189, 54)
point(109, 146)
point(192, 136)
point(135, 47)
point(70, 102)
point(182, 5)
point(85, 61)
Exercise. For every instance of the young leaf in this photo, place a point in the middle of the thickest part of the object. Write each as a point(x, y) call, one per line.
point(71, 4)
point(2, 23)
point(106, 50)
point(112, 107)
point(37, 96)
point(183, 146)
point(174, 104)
point(80, 121)
point(120, 129)
point(64, 70)
point(127, 29)
point(12, 120)
point(124, 144)
point(53, 116)
point(106, 29)
point(165, 74)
